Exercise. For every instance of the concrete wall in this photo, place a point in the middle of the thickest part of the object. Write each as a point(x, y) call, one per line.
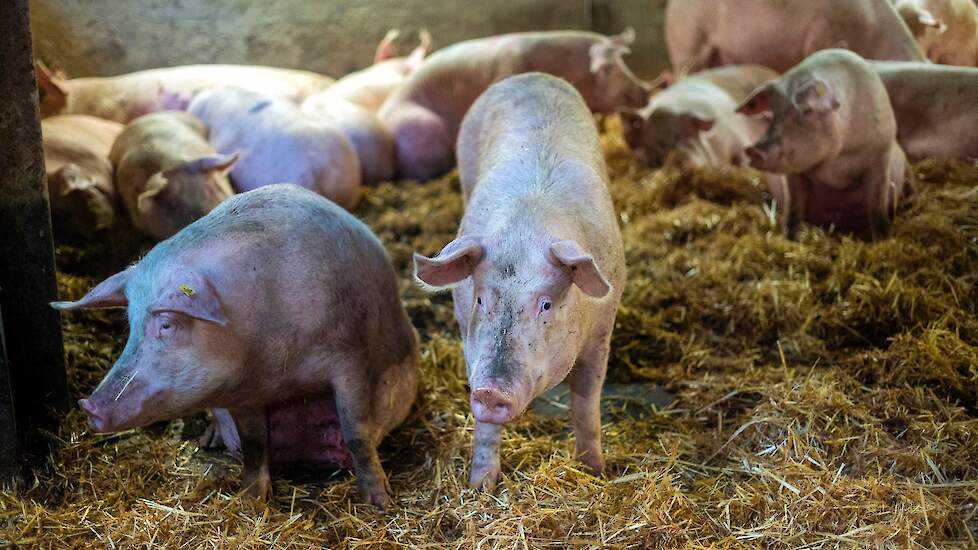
point(107, 37)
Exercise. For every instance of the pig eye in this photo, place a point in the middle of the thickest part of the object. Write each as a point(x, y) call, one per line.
point(545, 305)
point(479, 300)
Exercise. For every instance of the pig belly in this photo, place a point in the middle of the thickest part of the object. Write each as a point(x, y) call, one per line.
point(306, 432)
point(845, 209)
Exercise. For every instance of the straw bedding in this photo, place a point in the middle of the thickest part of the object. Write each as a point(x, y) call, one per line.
point(824, 397)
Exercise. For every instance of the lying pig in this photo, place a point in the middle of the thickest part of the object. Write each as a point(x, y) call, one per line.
point(833, 133)
point(276, 297)
point(125, 97)
point(279, 143)
point(779, 35)
point(945, 30)
point(538, 267)
point(935, 108)
point(370, 139)
point(370, 87)
point(79, 173)
point(167, 174)
point(695, 118)
point(424, 114)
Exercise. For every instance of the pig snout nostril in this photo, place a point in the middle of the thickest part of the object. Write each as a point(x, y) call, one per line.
point(493, 401)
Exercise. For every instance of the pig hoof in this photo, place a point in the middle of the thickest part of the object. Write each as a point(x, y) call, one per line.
point(376, 493)
point(261, 489)
point(211, 439)
point(593, 463)
point(484, 478)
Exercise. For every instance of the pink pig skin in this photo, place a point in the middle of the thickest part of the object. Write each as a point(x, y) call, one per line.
point(166, 172)
point(833, 134)
point(538, 267)
point(936, 108)
point(280, 144)
point(696, 118)
point(125, 97)
point(79, 173)
point(780, 34)
point(373, 144)
point(275, 297)
point(424, 114)
point(945, 30)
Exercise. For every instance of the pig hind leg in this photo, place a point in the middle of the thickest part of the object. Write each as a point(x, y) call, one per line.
point(586, 381)
point(252, 427)
point(362, 435)
point(485, 470)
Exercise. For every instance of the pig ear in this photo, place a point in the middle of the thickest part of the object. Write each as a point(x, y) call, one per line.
point(419, 53)
point(212, 163)
point(50, 81)
point(927, 19)
point(192, 295)
point(625, 39)
point(156, 184)
point(759, 102)
point(585, 272)
point(454, 263)
point(109, 293)
point(386, 48)
point(815, 97)
point(72, 179)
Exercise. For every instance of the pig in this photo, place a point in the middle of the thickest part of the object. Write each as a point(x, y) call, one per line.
point(538, 266)
point(371, 140)
point(167, 174)
point(370, 87)
point(934, 107)
point(833, 133)
point(279, 143)
point(125, 97)
point(695, 118)
point(424, 114)
point(275, 300)
point(945, 30)
point(79, 174)
point(711, 33)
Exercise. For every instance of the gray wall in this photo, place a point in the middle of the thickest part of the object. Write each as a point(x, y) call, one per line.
point(107, 37)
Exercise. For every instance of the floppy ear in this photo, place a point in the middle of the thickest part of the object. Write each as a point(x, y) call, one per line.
point(386, 48)
point(454, 263)
point(759, 101)
point(192, 295)
point(107, 294)
point(606, 53)
point(154, 186)
point(815, 97)
point(625, 39)
point(212, 163)
point(584, 272)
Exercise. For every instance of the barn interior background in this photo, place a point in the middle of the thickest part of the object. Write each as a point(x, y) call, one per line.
point(763, 391)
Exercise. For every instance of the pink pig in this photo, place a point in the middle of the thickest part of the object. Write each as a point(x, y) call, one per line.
point(538, 267)
point(279, 307)
point(424, 114)
point(79, 173)
point(833, 133)
point(780, 34)
point(373, 144)
point(945, 30)
point(125, 97)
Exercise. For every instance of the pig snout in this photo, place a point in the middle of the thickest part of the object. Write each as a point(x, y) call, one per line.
point(493, 405)
point(96, 417)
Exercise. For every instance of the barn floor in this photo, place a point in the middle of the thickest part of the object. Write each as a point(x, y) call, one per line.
point(823, 396)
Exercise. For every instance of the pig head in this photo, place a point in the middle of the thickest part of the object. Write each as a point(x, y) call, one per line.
point(519, 304)
point(614, 85)
point(174, 362)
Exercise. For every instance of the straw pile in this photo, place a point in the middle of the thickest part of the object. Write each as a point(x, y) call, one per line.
point(824, 397)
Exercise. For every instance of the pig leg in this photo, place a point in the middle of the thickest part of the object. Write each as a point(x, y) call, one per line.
point(361, 434)
point(485, 457)
point(795, 205)
point(252, 428)
point(586, 380)
point(876, 183)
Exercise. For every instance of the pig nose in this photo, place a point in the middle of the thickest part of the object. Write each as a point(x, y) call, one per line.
point(95, 419)
point(491, 405)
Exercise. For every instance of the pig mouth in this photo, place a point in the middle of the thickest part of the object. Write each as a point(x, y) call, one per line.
point(495, 406)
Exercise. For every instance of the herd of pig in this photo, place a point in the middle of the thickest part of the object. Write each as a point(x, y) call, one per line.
point(278, 310)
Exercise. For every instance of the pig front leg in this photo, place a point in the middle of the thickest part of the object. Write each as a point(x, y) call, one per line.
point(586, 381)
point(484, 474)
point(361, 434)
point(252, 428)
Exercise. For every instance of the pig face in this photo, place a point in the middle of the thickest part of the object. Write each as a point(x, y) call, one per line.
point(174, 198)
point(653, 134)
point(802, 128)
point(521, 303)
point(176, 359)
point(615, 86)
point(52, 90)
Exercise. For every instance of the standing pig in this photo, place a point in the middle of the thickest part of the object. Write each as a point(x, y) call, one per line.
point(373, 144)
point(833, 133)
point(424, 114)
point(79, 173)
point(780, 34)
point(370, 87)
point(935, 108)
point(696, 118)
point(167, 173)
point(275, 297)
point(945, 30)
point(278, 142)
point(538, 267)
point(125, 97)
